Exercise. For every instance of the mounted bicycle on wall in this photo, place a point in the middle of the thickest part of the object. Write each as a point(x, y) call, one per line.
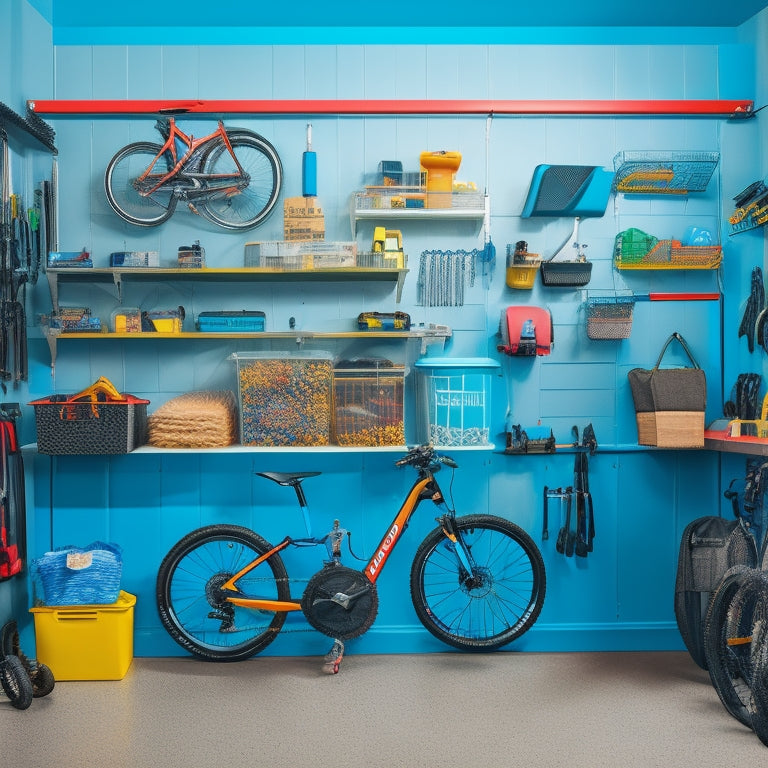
point(232, 177)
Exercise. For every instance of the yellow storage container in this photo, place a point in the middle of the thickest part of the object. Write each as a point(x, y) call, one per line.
point(86, 642)
point(523, 275)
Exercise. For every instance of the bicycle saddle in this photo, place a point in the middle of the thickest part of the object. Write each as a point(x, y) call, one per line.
point(287, 478)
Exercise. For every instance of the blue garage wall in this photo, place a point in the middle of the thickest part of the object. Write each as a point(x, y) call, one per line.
point(25, 40)
point(621, 596)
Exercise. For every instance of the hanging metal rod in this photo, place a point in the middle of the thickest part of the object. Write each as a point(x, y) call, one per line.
point(694, 107)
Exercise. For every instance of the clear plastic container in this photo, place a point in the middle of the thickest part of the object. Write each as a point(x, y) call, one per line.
point(285, 398)
point(456, 400)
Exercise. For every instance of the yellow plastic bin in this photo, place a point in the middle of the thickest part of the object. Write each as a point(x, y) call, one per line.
point(86, 642)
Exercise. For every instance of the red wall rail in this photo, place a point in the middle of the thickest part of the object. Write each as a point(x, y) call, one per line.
point(702, 107)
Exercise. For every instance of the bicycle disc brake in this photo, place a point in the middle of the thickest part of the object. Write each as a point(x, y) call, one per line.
point(340, 602)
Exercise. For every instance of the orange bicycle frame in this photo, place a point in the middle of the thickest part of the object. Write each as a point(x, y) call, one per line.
point(192, 144)
point(423, 488)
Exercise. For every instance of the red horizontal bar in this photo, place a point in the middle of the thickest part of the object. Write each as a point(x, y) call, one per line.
point(741, 108)
point(684, 296)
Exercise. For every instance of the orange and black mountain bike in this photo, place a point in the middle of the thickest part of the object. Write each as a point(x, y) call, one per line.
point(477, 582)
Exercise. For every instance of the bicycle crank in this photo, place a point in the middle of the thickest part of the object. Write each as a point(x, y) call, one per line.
point(340, 602)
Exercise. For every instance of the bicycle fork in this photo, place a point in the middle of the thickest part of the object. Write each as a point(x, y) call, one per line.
point(467, 570)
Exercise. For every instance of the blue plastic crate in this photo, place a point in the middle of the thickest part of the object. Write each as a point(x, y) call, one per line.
point(244, 321)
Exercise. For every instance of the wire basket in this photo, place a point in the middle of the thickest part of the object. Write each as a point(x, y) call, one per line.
point(566, 274)
point(664, 254)
point(675, 172)
point(610, 317)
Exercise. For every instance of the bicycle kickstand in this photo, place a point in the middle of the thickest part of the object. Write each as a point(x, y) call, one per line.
point(332, 659)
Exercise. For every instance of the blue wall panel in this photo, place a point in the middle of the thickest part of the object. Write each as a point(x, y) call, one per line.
point(619, 597)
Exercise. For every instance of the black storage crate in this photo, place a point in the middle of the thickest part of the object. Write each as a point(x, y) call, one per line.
point(98, 428)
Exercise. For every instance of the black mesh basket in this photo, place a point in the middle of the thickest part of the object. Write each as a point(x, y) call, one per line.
point(66, 427)
point(566, 274)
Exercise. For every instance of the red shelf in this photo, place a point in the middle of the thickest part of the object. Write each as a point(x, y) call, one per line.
point(723, 108)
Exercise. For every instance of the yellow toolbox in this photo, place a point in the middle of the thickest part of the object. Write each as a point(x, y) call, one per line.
point(86, 642)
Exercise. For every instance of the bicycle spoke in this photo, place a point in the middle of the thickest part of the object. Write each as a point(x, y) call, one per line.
point(489, 607)
point(243, 201)
point(123, 187)
point(193, 607)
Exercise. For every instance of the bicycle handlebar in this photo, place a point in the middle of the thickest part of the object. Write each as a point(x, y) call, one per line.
point(425, 456)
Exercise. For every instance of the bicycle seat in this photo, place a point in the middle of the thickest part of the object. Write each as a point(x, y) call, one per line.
point(287, 478)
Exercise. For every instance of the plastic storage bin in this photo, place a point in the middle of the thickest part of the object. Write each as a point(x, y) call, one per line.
point(243, 321)
point(456, 400)
point(368, 405)
point(86, 642)
point(285, 398)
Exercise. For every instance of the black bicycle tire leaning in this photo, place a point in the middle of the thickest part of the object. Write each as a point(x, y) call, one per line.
point(729, 606)
point(151, 150)
point(40, 675)
point(760, 661)
point(15, 682)
point(242, 138)
point(227, 539)
point(526, 555)
point(42, 679)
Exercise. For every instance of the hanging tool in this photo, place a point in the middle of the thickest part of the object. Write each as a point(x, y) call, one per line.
point(488, 254)
point(585, 518)
point(755, 306)
point(575, 536)
point(309, 168)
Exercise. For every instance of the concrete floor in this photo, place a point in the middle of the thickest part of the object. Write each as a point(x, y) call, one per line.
point(500, 710)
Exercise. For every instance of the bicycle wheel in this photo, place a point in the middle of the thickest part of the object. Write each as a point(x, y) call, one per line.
point(760, 662)
point(42, 679)
point(15, 682)
point(260, 161)
point(729, 616)
point(120, 180)
point(192, 607)
point(489, 609)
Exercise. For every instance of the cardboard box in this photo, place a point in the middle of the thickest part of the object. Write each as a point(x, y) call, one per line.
point(303, 219)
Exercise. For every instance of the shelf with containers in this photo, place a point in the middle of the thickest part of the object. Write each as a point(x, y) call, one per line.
point(118, 276)
point(674, 174)
point(363, 405)
point(385, 204)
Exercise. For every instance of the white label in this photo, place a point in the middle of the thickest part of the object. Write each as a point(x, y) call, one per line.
point(77, 561)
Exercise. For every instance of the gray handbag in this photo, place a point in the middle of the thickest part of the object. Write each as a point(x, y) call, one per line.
point(670, 402)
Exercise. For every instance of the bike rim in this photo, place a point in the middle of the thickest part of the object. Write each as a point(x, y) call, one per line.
point(196, 605)
point(124, 196)
point(499, 600)
point(242, 208)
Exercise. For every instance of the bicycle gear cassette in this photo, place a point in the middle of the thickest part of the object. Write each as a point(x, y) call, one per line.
point(340, 602)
